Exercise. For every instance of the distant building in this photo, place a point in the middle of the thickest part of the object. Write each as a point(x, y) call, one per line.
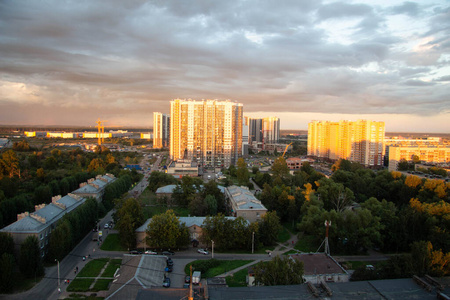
point(63, 135)
point(244, 204)
point(271, 130)
point(42, 221)
point(295, 163)
point(180, 168)
point(439, 154)
point(255, 130)
point(360, 141)
point(146, 136)
point(161, 130)
point(208, 132)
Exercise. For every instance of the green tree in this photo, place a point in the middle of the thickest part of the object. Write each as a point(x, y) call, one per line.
point(30, 258)
point(6, 243)
point(164, 231)
point(242, 172)
point(7, 266)
point(129, 217)
point(280, 171)
point(334, 195)
point(269, 227)
point(211, 203)
point(279, 271)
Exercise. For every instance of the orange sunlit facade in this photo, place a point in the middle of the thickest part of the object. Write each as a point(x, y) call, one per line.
point(359, 141)
point(161, 130)
point(208, 132)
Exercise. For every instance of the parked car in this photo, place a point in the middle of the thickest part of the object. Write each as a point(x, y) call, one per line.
point(187, 279)
point(203, 251)
point(168, 253)
point(169, 262)
point(151, 252)
point(135, 252)
point(166, 282)
point(169, 269)
point(106, 226)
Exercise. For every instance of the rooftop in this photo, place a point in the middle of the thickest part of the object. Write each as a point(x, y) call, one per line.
point(318, 263)
point(243, 198)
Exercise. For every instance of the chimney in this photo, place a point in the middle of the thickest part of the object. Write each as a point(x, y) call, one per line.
point(38, 218)
point(82, 184)
point(91, 180)
point(38, 207)
point(22, 215)
point(56, 198)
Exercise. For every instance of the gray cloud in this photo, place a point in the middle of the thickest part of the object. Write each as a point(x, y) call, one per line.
point(126, 60)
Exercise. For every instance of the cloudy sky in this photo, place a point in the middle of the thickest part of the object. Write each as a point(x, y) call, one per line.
point(71, 62)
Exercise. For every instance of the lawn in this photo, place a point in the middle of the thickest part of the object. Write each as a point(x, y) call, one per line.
point(111, 268)
point(93, 268)
point(283, 235)
point(101, 285)
point(219, 266)
point(238, 279)
point(112, 243)
point(80, 285)
point(306, 244)
point(160, 209)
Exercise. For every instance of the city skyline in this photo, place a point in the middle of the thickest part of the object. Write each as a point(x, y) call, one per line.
point(72, 63)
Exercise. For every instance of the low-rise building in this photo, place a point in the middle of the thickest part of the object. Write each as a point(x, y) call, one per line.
point(244, 204)
point(320, 267)
point(95, 187)
point(194, 224)
point(42, 221)
point(295, 163)
point(178, 169)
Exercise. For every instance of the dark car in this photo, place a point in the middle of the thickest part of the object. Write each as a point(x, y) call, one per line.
point(187, 279)
point(135, 252)
point(168, 253)
point(186, 285)
point(169, 262)
point(169, 269)
point(166, 282)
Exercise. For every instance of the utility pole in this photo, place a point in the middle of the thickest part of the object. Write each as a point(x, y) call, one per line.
point(59, 283)
point(190, 285)
point(253, 242)
point(212, 248)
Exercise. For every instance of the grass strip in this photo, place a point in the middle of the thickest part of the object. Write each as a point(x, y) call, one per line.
point(101, 285)
point(112, 243)
point(80, 285)
point(238, 279)
point(93, 268)
point(114, 264)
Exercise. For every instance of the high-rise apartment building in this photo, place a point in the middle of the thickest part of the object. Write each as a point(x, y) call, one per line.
point(254, 130)
point(265, 130)
point(271, 130)
point(359, 141)
point(208, 132)
point(161, 130)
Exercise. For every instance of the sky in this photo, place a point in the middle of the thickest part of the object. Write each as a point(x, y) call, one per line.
point(72, 62)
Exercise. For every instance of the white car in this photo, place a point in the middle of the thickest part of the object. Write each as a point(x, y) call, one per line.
point(150, 252)
point(203, 251)
point(106, 226)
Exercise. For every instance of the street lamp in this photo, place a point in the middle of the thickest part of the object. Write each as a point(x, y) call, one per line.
point(59, 283)
point(212, 248)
